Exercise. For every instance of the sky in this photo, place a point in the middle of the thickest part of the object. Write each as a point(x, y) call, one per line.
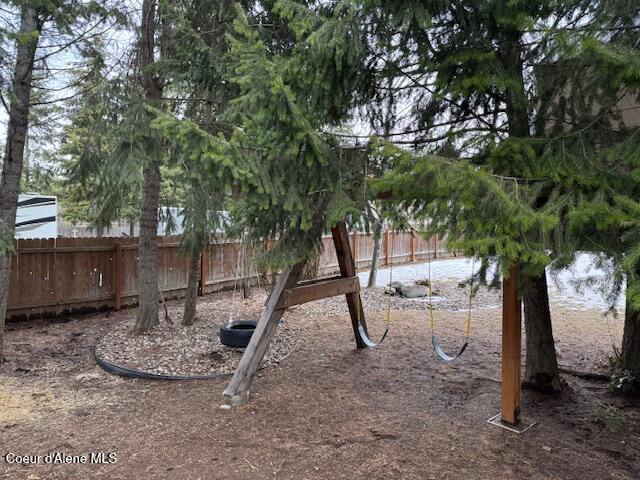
point(118, 42)
point(61, 61)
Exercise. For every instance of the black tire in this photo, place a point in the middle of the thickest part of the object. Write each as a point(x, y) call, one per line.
point(237, 333)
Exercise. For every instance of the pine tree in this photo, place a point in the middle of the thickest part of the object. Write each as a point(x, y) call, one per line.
point(41, 25)
point(167, 133)
point(596, 161)
point(488, 64)
point(26, 44)
point(472, 75)
point(201, 89)
point(152, 86)
point(306, 180)
point(87, 140)
point(460, 65)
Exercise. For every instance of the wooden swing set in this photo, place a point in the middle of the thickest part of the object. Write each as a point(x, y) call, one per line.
point(288, 291)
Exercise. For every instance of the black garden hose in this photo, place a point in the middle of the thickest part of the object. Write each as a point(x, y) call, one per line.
point(129, 373)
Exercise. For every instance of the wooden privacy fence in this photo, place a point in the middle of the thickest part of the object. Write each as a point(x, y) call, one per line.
point(56, 276)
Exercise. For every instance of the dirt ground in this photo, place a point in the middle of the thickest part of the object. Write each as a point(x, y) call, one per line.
point(328, 411)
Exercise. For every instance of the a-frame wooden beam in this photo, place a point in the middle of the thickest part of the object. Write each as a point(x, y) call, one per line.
point(237, 392)
point(348, 269)
point(286, 293)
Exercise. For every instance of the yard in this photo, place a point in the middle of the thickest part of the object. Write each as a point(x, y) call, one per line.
point(157, 153)
point(326, 411)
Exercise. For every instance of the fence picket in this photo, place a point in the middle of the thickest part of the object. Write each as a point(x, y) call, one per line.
point(54, 276)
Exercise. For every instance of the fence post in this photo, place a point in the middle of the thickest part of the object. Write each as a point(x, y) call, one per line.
point(386, 247)
point(117, 276)
point(413, 245)
point(435, 247)
point(392, 250)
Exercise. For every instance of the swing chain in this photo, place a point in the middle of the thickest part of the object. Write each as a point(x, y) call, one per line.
point(389, 317)
point(434, 337)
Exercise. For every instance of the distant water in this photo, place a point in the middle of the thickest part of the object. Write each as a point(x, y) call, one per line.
point(562, 289)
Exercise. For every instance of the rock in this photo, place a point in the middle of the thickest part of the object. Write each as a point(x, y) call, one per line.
point(414, 291)
point(224, 406)
point(88, 376)
point(546, 448)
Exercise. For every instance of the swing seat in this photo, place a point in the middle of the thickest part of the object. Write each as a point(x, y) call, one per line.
point(367, 340)
point(442, 354)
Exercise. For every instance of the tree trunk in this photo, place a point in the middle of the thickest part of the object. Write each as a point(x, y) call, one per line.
point(541, 371)
point(192, 290)
point(247, 290)
point(311, 269)
point(148, 250)
point(150, 195)
point(14, 146)
point(373, 271)
point(630, 353)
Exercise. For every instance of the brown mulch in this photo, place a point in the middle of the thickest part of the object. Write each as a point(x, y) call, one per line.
point(328, 411)
point(170, 349)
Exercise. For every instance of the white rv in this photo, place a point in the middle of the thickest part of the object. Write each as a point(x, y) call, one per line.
point(37, 216)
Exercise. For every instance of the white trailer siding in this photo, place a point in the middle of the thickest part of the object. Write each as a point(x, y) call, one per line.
point(37, 216)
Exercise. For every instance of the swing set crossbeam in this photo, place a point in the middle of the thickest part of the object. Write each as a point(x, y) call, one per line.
point(317, 290)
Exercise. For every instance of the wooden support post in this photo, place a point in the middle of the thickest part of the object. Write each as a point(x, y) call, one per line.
point(347, 269)
point(435, 246)
point(511, 344)
point(413, 245)
point(117, 276)
point(237, 392)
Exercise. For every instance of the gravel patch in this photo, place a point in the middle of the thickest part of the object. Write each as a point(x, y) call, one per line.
point(447, 296)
